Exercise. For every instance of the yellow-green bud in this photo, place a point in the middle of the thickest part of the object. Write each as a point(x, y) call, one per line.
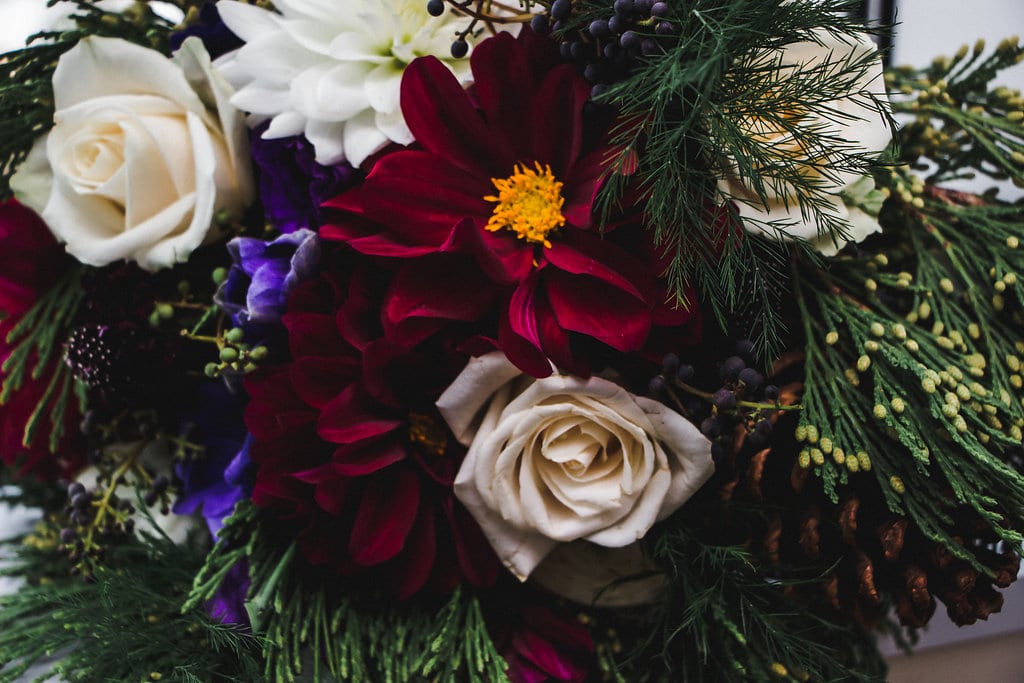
point(800, 433)
point(871, 345)
point(879, 411)
point(852, 464)
point(165, 311)
point(832, 338)
point(899, 331)
point(877, 329)
point(928, 384)
point(863, 363)
point(946, 285)
point(865, 461)
point(812, 433)
point(960, 424)
point(839, 456)
point(817, 457)
point(228, 354)
point(974, 331)
point(897, 405)
point(804, 459)
point(912, 346)
point(896, 484)
point(870, 285)
point(924, 311)
point(963, 393)
point(998, 303)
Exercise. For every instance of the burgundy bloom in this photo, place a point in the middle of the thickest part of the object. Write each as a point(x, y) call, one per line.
point(546, 647)
point(348, 449)
point(505, 178)
point(30, 262)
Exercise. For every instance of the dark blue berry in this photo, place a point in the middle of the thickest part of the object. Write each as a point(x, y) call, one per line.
point(649, 47)
point(67, 536)
point(664, 28)
point(540, 24)
point(460, 48)
point(435, 8)
point(771, 392)
point(670, 363)
point(724, 399)
point(731, 367)
point(685, 373)
point(160, 484)
point(629, 39)
point(644, 6)
point(659, 9)
point(592, 73)
point(75, 488)
point(617, 24)
point(610, 50)
point(656, 385)
point(565, 49)
point(711, 428)
point(752, 378)
point(623, 6)
point(578, 51)
point(560, 9)
point(599, 28)
point(598, 90)
point(80, 501)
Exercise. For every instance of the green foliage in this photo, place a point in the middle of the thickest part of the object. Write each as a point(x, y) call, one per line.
point(914, 352)
point(724, 619)
point(688, 111)
point(26, 92)
point(310, 622)
point(126, 625)
point(36, 346)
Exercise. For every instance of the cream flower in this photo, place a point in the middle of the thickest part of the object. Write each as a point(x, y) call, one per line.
point(562, 458)
point(332, 69)
point(858, 120)
point(144, 153)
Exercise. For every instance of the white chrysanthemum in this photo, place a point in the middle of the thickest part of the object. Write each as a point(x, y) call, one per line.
point(332, 69)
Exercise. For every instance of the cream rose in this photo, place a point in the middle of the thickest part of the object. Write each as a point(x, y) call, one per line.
point(858, 124)
point(562, 458)
point(145, 152)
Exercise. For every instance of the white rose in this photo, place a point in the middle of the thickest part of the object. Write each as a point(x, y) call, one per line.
point(562, 458)
point(859, 120)
point(144, 153)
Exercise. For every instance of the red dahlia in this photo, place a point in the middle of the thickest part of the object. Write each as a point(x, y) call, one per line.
point(348, 446)
point(505, 177)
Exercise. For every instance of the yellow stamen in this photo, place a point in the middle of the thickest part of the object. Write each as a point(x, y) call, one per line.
point(425, 432)
point(529, 203)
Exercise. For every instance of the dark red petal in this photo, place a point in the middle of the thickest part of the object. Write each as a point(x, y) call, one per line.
point(312, 334)
point(558, 119)
point(597, 310)
point(442, 288)
point(524, 354)
point(545, 656)
point(505, 86)
point(581, 188)
point(358, 461)
point(444, 121)
point(386, 514)
point(344, 421)
point(502, 256)
point(555, 340)
point(318, 380)
point(416, 563)
point(582, 254)
point(477, 560)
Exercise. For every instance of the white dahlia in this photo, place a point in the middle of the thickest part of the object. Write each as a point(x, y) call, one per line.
point(332, 69)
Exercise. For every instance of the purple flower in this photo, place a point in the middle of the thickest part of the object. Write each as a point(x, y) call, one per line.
point(220, 478)
point(216, 36)
point(228, 603)
point(255, 293)
point(292, 184)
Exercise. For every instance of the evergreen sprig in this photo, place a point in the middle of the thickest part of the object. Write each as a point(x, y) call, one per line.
point(315, 627)
point(699, 104)
point(36, 343)
point(126, 625)
point(726, 619)
point(26, 90)
point(914, 349)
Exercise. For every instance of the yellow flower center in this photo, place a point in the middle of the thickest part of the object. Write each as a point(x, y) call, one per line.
point(529, 203)
point(425, 432)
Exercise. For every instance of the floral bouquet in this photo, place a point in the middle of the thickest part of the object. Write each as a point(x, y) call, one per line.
point(467, 340)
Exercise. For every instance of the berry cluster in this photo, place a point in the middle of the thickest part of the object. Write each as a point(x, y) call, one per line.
point(607, 48)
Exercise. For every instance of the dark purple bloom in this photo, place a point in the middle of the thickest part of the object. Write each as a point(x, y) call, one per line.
point(292, 184)
point(216, 36)
point(228, 603)
point(216, 481)
point(264, 273)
